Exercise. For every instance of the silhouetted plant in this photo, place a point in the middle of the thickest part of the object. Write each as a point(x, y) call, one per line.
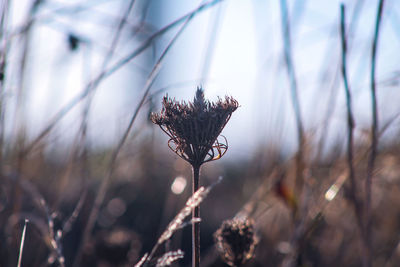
point(194, 129)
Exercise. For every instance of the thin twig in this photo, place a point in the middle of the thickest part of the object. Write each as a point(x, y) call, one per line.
point(374, 133)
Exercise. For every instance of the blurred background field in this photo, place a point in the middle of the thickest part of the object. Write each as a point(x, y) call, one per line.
point(81, 160)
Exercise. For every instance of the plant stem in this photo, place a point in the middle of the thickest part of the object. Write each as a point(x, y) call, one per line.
point(374, 141)
point(358, 208)
point(195, 215)
point(287, 49)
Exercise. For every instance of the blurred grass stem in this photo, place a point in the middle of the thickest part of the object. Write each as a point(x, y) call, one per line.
point(374, 133)
point(350, 129)
point(294, 95)
point(333, 92)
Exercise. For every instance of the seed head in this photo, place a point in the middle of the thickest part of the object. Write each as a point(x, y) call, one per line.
point(194, 127)
point(236, 241)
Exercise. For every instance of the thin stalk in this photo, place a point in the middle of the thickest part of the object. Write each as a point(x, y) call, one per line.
point(333, 93)
point(21, 247)
point(374, 132)
point(195, 216)
point(350, 137)
point(294, 95)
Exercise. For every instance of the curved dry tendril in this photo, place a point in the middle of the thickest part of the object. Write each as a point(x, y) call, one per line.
point(220, 147)
point(215, 152)
point(177, 149)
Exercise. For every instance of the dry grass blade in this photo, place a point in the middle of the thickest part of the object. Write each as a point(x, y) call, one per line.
point(192, 202)
point(168, 258)
point(72, 218)
point(142, 260)
point(21, 247)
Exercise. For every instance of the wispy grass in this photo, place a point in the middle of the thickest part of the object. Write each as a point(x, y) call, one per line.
point(92, 85)
point(310, 225)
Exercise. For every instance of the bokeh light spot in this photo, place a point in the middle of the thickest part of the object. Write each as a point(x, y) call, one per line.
point(178, 185)
point(334, 189)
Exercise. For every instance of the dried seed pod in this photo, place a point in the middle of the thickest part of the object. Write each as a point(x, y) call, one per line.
point(236, 241)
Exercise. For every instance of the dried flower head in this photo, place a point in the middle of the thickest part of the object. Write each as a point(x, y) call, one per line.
point(194, 127)
point(236, 241)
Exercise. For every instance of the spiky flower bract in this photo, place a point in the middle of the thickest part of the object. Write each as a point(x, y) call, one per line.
point(194, 127)
point(236, 241)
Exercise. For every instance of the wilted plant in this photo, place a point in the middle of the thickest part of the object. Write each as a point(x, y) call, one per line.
point(194, 129)
point(236, 241)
